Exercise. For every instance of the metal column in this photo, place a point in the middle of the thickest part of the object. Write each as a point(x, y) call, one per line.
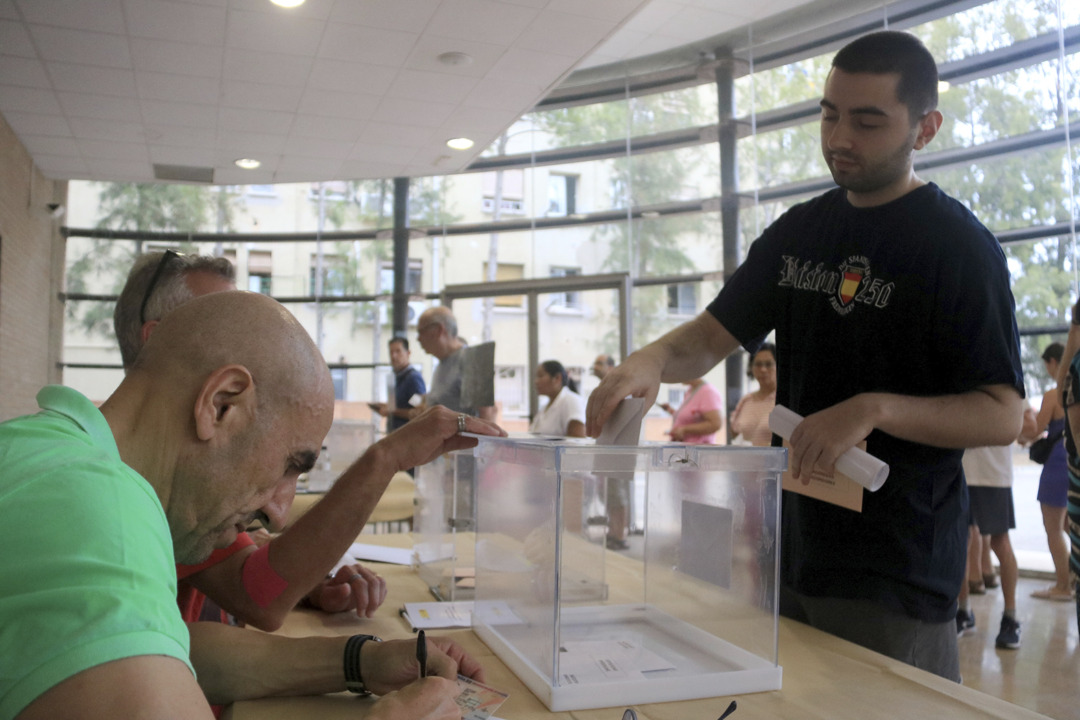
point(729, 209)
point(401, 255)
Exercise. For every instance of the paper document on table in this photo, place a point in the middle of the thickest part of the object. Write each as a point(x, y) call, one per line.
point(428, 615)
point(429, 552)
point(476, 700)
point(433, 615)
point(593, 661)
point(379, 553)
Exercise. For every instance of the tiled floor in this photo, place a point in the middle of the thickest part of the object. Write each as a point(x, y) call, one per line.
point(1044, 673)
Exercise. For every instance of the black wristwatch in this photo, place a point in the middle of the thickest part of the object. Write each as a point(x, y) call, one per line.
point(1075, 319)
point(354, 680)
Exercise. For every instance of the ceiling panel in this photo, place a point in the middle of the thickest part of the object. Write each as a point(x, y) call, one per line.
point(334, 89)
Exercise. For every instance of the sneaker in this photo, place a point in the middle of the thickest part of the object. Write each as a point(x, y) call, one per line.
point(965, 622)
point(1009, 637)
point(616, 544)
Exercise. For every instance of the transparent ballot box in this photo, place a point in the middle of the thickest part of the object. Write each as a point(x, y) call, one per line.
point(693, 616)
point(443, 525)
point(346, 441)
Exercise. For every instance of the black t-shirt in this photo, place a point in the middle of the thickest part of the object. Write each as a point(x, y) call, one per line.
point(911, 297)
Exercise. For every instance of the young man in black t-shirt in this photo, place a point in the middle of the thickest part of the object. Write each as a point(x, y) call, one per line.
point(894, 324)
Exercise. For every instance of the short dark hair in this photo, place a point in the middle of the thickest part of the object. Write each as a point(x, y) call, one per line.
point(889, 51)
point(1054, 350)
point(398, 339)
point(169, 291)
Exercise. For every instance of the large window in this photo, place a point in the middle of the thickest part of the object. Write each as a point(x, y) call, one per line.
point(630, 183)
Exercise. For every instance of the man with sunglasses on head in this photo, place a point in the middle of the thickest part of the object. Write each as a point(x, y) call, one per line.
point(895, 325)
point(232, 577)
point(225, 406)
point(1069, 384)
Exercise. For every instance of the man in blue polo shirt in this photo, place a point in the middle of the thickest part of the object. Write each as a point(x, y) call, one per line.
point(408, 383)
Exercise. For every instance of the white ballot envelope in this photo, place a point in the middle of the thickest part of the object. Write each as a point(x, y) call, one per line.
point(624, 425)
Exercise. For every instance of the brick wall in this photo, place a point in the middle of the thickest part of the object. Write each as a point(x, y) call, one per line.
point(31, 271)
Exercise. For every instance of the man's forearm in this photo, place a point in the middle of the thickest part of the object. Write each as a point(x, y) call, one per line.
point(991, 415)
point(692, 349)
point(306, 551)
point(303, 554)
point(237, 664)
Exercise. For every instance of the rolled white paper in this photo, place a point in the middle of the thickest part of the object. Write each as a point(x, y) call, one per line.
point(857, 464)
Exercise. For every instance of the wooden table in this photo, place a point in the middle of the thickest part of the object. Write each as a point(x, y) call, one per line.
point(395, 506)
point(825, 678)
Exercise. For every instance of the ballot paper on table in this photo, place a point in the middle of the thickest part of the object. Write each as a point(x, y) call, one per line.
point(594, 661)
point(379, 553)
point(432, 615)
point(429, 615)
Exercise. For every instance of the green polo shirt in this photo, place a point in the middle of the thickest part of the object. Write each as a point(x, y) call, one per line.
point(87, 573)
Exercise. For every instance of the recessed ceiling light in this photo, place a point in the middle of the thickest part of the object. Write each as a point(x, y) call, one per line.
point(650, 214)
point(248, 163)
point(461, 143)
point(288, 3)
point(943, 85)
point(455, 58)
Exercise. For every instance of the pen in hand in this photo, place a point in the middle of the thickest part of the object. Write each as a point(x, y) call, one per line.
point(421, 653)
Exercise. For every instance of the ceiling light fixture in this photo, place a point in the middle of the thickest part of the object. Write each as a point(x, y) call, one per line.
point(288, 3)
point(943, 86)
point(247, 163)
point(460, 143)
point(455, 58)
point(650, 214)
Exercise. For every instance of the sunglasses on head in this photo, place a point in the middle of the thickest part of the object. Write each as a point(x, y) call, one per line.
point(167, 257)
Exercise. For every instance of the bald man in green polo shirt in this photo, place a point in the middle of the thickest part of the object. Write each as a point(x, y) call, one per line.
point(226, 406)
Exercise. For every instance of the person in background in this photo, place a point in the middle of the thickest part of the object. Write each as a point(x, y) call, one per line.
point(1054, 482)
point(618, 488)
point(1069, 388)
point(407, 382)
point(698, 418)
point(157, 284)
point(750, 421)
point(881, 336)
point(602, 365)
point(564, 414)
point(989, 475)
point(437, 331)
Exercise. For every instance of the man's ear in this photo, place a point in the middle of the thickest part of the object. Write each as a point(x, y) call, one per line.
point(147, 328)
point(225, 403)
point(928, 128)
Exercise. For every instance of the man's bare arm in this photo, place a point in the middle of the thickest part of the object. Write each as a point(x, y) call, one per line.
point(685, 353)
point(305, 552)
point(146, 686)
point(989, 415)
point(240, 664)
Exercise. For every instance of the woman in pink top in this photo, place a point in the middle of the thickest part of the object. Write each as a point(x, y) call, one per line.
point(751, 416)
point(698, 419)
